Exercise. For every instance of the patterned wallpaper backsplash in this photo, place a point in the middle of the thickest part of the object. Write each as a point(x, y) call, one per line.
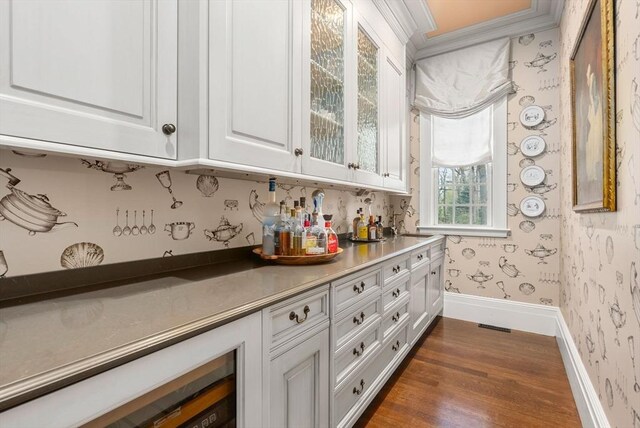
point(169, 212)
point(502, 267)
point(600, 288)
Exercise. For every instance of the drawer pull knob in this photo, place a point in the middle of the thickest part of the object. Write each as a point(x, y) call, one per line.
point(396, 346)
point(293, 316)
point(168, 128)
point(359, 352)
point(433, 272)
point(357, 391)
point(359, 289)
point(396, 317)
point(359, 320)
point(396, 293)
point(298, 152)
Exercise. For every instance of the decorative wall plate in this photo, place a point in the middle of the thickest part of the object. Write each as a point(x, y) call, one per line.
point(532, 145)
point(532, 175)
point(532, 206)
point(531, 116)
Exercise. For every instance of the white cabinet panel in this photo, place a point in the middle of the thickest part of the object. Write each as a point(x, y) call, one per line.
point(436, 288)
point(394, 170)
point(99, 74)
point(419, 309)
point(299, 385)
point(254, 77)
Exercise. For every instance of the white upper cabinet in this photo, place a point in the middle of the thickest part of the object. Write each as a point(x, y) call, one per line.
point(327, 82)
point(366, 149)
point(254, 81)
point(100, 74)
point(394, 170)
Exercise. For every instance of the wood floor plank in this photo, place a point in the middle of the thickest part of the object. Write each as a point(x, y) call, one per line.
point(464, 376)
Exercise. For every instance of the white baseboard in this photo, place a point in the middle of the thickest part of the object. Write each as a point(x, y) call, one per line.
point(589, 406)
point(540, 319)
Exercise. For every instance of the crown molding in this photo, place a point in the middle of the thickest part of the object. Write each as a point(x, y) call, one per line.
point(406, 17)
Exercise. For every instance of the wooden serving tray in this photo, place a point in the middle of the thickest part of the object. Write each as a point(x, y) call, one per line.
point(298, 260)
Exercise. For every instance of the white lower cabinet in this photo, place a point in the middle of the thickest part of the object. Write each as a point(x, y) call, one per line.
point(299, 385)
point(419, 301)
point(435, 291)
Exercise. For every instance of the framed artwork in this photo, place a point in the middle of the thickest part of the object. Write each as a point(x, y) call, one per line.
point(593, 111)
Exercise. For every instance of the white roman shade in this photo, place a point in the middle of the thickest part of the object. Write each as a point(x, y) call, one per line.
point(462, 142)
point(463, 82)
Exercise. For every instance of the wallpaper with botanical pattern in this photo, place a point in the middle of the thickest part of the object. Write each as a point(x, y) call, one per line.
point(144, 212)
point(600, 288)
point(526, 265)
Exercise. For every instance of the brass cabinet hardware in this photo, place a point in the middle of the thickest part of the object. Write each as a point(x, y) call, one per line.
point(293, 316)
point(359, 391)
point(359, 352)
point(168, 128)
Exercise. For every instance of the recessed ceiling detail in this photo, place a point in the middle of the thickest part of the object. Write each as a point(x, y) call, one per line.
point(451, 15)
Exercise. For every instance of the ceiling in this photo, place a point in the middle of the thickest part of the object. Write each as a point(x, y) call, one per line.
point(437, 26)
point(451, 15)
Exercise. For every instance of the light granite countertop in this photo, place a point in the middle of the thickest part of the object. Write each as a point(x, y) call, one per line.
point(46, 344)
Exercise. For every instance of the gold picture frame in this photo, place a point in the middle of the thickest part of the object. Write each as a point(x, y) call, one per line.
point(592, 67)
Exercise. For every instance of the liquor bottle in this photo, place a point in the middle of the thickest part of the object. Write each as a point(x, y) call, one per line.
point(363, 230)
point(380, 231)
point(298, 234)
point(372, 230)
point(277, 235)
point(356, 219)
point(317, 239)
point(309, 239)
point(303, 207)
point(332, 236)
point(270, 217)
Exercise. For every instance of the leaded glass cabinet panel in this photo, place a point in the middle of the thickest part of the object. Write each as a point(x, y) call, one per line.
point(327, 69)
point(368, 87)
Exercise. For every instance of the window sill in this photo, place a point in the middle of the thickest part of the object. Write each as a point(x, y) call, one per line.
point(491, 232)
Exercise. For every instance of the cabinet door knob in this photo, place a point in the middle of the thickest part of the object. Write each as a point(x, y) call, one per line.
point(357, 391)
point(298, 152)
point(168, 128)
point(293, 316)
point(351, 165)
point(433, 272)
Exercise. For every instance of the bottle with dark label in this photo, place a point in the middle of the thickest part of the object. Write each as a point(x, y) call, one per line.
point(270, 217)
point(380, 227)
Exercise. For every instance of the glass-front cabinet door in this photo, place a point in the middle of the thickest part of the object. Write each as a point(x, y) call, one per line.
point(367, 139)
point(326, 126)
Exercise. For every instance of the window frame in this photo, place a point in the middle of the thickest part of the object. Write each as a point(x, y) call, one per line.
point(496, 181)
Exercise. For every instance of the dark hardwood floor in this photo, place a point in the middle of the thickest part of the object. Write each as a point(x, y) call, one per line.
point(461, 375)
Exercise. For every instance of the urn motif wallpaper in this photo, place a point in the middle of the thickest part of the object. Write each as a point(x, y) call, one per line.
point(600, 287)
point(524, 267)
point(65, 213)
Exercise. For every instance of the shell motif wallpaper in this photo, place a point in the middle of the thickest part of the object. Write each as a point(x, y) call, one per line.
point(525, 266)
point(600, 286)
point(65, 213)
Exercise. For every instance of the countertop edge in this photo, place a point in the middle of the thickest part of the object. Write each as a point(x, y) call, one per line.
point(19, 391)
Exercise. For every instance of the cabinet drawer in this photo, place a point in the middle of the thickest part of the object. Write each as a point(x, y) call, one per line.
point(294, 316)
point(399, 315)
point(356, 288)
point(394, 293)
point(391, 348)
point(420, 255)
point(354, 390)
point(396, 267)
point(357, 352)
point(357, 320)
point(437, 249)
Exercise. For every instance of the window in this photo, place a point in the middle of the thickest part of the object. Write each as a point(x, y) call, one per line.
point(467, 199)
